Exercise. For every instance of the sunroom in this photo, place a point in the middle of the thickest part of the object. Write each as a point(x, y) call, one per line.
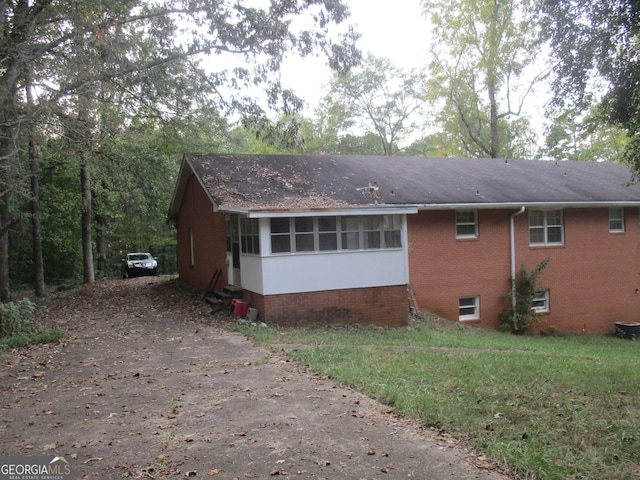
point(285, 252)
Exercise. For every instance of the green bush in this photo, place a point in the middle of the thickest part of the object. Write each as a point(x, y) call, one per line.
point(16, 341)
point(526, 288)
point(19, 319)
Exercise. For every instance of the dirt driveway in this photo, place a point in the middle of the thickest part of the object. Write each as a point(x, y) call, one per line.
point(149, 385)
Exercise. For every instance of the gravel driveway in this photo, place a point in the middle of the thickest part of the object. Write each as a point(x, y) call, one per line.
point(148, 385)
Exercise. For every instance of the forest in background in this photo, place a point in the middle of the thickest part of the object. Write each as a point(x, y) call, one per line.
point(99, 99)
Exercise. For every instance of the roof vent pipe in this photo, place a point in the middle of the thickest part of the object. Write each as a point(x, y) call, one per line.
point(513, 257)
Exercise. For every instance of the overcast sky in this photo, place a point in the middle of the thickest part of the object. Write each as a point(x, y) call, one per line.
point(396, 30)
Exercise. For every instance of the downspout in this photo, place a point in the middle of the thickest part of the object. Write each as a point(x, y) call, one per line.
point(513, 257)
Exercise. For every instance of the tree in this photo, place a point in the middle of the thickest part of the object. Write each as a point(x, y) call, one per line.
point(377, 98)
point(574, 135)
point(82, 52)
point(596, 52)
point(483, 51)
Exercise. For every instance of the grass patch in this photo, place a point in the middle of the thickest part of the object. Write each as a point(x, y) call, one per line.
point(547, 407)
point(52, 335)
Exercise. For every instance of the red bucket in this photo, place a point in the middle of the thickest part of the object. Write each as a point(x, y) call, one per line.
point(239, 307)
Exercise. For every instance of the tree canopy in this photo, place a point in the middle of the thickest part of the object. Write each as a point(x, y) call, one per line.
point(481, 72)
point(113, 91)
point(378, 99)
point(92, 69)
point(596, 52)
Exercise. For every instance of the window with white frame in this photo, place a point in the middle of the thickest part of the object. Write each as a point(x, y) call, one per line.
point(327, 233)
point(466, 224)
point(371, 232)
point(469, 308)
point(280, 235)
point(350, 233)
point(540, 301)
point(545, 227)
point(312, 234)
point(250, 235)
point(391, 226)
point(616, 219)
point(304, 234)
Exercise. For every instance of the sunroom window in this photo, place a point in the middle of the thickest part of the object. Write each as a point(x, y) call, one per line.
point(321, 234)
point(250, 235)
point(304, 234)
point(371, 232)
point(280, 235)
point(392, 227)
point(327, 233)
point(350, 233)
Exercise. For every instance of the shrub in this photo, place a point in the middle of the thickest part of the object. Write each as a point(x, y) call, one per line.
point(52, 335)
point(16, 341)
point(19, 318)
point(526, 288)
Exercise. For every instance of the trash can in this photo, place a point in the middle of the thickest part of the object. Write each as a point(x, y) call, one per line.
point(628, 330)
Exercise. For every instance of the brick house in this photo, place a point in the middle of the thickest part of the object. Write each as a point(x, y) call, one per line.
point(322, 239)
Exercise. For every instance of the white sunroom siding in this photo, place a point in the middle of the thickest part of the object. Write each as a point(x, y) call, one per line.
point(334, 271)
point(318, 271)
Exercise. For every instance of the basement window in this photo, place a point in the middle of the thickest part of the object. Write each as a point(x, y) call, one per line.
point(540, 302)
point(469, 308)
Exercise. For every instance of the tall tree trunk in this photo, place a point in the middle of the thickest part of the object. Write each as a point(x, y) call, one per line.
point(6, 154)
point(5, 290)
point(493, 117)
point(87, 250)
point(38, 263)
point(7, 123)
point(492, 79)
point(101, 243)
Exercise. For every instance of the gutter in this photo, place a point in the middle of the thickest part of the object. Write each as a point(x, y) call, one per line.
point(540, 205)
point(513, 256)
point(386, 209)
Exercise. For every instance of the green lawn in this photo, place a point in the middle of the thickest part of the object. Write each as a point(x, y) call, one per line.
point(547, 407)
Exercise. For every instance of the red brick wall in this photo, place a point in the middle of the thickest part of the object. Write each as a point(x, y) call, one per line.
point(382, 306)
point(209, 239)
point(442, 268)
point(592, 277)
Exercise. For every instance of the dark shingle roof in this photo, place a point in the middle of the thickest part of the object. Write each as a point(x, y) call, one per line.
point(326, 181)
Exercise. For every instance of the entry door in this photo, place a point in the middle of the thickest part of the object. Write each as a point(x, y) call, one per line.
point(233, 250)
